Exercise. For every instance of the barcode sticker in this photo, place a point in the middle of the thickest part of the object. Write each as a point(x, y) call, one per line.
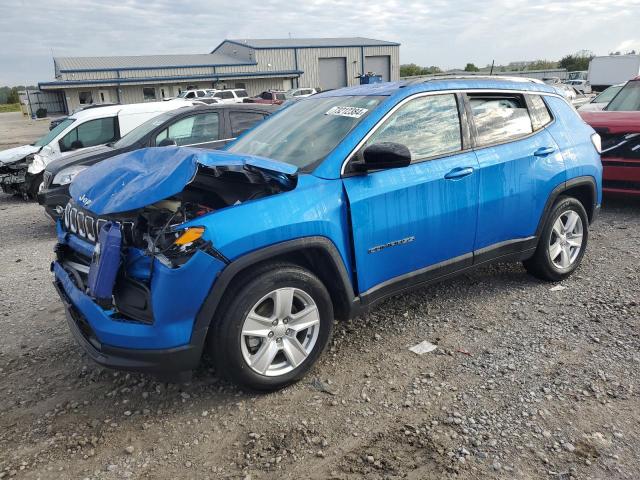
point(353, 112)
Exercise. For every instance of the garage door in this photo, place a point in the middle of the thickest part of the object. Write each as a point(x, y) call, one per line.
point(378, 65)
point(333, 72)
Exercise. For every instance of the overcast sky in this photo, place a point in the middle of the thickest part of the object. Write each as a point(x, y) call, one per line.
point(443, 33)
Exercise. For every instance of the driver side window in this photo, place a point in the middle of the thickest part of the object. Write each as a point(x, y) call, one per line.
point(89, 134)
point(428, 126)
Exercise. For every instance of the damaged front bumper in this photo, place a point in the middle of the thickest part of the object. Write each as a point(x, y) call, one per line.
point(13, 178)
point(170, 342)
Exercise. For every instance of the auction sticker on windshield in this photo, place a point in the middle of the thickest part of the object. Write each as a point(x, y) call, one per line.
point(353, 112)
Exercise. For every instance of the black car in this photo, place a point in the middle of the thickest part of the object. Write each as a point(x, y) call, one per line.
point(203, 126)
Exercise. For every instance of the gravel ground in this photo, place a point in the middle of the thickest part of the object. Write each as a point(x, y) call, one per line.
point(528, 381)
point(17, 130)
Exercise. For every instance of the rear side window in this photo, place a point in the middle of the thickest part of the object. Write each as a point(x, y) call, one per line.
point(241, 121)
point(428, 126)
point(192, 130)
point(227, 95)
point(540, 115)
point(499, 117)
point(241, 93)
point(201, 93)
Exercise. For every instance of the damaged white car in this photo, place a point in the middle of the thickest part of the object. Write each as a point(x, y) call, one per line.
point(22, 168)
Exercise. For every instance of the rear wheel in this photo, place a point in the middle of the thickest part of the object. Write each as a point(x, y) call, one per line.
point(562, 243)
point(272, 327)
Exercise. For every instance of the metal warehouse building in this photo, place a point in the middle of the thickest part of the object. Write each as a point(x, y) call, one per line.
point(254, 64)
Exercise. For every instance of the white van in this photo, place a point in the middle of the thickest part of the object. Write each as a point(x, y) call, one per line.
point(21, 168)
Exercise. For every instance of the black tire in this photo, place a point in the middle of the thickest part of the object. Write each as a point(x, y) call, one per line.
point(540, 265)
point(225, 337)
point(34, 185)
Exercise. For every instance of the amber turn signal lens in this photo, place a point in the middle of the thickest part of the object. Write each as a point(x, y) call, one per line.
point(190, 235)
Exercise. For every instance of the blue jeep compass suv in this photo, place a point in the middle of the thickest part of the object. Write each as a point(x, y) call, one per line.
point(332, 204)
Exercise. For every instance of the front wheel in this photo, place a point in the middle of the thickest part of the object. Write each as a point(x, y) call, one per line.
point(36, 183)
point(562, 243)
point(272, 327)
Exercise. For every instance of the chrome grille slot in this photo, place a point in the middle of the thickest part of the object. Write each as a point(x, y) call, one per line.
point(81, 226)
point(89, 225)
point(85, 225)
point(73, 221)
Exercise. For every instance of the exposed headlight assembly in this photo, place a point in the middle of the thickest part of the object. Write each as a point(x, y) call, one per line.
point(66, 175)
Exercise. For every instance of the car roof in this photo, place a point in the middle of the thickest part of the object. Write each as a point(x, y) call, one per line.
point(131, 108)
point(444, 82)
point(231, 106)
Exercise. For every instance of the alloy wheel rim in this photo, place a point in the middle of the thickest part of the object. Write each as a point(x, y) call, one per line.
point(280, 331)
point(566, 239)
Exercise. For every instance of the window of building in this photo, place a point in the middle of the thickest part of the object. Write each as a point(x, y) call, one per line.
point(540, 115)
point(241, 85)
point(192, 130)
point(499, 117)
point(89, 134)
point(428, 126)
point(85, 98)
point(149, 93)
point(241, 121)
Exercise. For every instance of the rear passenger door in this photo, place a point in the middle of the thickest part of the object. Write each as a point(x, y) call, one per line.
point(519, 163)
point(201, 130)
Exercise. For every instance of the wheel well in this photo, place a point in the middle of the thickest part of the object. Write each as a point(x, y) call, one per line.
point(585, 195)
point(319, 262)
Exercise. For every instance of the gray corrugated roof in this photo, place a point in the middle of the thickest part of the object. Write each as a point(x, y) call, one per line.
point(311, 42)
point(143, 61)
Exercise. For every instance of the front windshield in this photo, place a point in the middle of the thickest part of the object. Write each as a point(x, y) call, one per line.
point(143, 130)
point(627, 99)
point(305, 133)
point(607, 95)
point(47, 139)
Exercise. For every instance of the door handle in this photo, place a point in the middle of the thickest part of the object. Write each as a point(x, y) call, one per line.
point(544, 151)
point(459, 172)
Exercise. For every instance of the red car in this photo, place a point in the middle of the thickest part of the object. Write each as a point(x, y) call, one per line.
point(268, 97)
point(619, 127)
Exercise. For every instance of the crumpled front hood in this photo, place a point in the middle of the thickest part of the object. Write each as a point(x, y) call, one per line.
point(12, 155)
point(136, 179)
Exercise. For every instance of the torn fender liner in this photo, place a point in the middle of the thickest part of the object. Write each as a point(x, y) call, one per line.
point(136, 179)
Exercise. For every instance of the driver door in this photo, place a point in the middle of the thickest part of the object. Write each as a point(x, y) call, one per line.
point(419, 221)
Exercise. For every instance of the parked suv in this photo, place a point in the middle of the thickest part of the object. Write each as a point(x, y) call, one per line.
point(210, 126)
point(320, 211)
point(235, 95)
point(619, 126)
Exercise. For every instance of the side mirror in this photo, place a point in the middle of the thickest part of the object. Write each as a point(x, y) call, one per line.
point(167, 142)
point(384, 155)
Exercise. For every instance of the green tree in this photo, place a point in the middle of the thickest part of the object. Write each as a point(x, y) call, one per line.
point(13, 96)
point(411, 69)
point(576, 62)
point(542, 65)
point(471, 68)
